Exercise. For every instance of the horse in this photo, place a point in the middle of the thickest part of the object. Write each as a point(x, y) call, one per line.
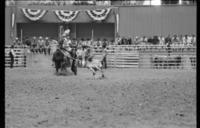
point(62, 60)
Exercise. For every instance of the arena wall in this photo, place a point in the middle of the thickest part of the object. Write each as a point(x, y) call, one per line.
point(157, 20)
point(137, 20)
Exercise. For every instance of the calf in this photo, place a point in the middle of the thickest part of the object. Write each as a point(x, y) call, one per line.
point(95, 65)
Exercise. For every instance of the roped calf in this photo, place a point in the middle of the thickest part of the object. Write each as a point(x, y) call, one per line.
point(95, 65)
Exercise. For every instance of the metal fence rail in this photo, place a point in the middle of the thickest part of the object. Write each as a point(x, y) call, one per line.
point(156, 57)
point(19, 59)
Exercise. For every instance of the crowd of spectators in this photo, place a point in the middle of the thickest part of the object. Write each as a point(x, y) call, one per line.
point(47, 45)
point(175, 40)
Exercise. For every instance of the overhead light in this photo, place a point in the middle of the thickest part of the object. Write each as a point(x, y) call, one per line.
point(156, 2)
point(180, 1)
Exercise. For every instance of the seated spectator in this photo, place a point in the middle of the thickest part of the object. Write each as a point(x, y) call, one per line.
point(150, 40)
point(189, 39)
point(27, 42)
point(162, 40)
point(168, 40)
point(129, 41)
point(155, 40)
point(104, 44)
point(193, 40)
point(184, 38)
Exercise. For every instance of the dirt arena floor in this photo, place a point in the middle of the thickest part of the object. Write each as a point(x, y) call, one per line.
point(126, 98)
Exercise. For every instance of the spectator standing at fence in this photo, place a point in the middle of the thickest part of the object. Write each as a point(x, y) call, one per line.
point(34, 45)
point(41, 44)
point(129, 41)
point(16, 42)
point(104, 44)
point(46, 46)
point(184, 38)
point(12, 56)
point(27, 42)
point(104, 61)
point(194, 40)
point(168, 42)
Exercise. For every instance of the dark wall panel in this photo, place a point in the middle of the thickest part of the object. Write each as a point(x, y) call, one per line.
point(41, 29)
point(104, 31)
point(84, 30)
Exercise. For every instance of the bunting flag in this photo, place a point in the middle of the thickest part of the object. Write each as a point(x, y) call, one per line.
point(99, 14)
point(66, 16)
point(34, 14)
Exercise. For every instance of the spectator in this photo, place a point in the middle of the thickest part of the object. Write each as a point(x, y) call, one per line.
point(40, 44)
point(193, 40)
point(34, 45)
point(27, 42)
point(168, 40)
point(104, 61)
point(47, 46)
point(129, 41)
point(155, 40)
point(12, 56)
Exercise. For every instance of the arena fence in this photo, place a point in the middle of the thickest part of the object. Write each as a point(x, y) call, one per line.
point(131, 56)
point(156, 57)
point(121, 59)
point(19, 59)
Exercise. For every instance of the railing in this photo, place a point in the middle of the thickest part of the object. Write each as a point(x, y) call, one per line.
point(19, 59)
point(130, 56)
point(156, 57)
point(146, 48)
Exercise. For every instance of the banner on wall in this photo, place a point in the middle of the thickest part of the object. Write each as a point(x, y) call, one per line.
point(65, 15)
point(99, 15)
point(34, 14)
